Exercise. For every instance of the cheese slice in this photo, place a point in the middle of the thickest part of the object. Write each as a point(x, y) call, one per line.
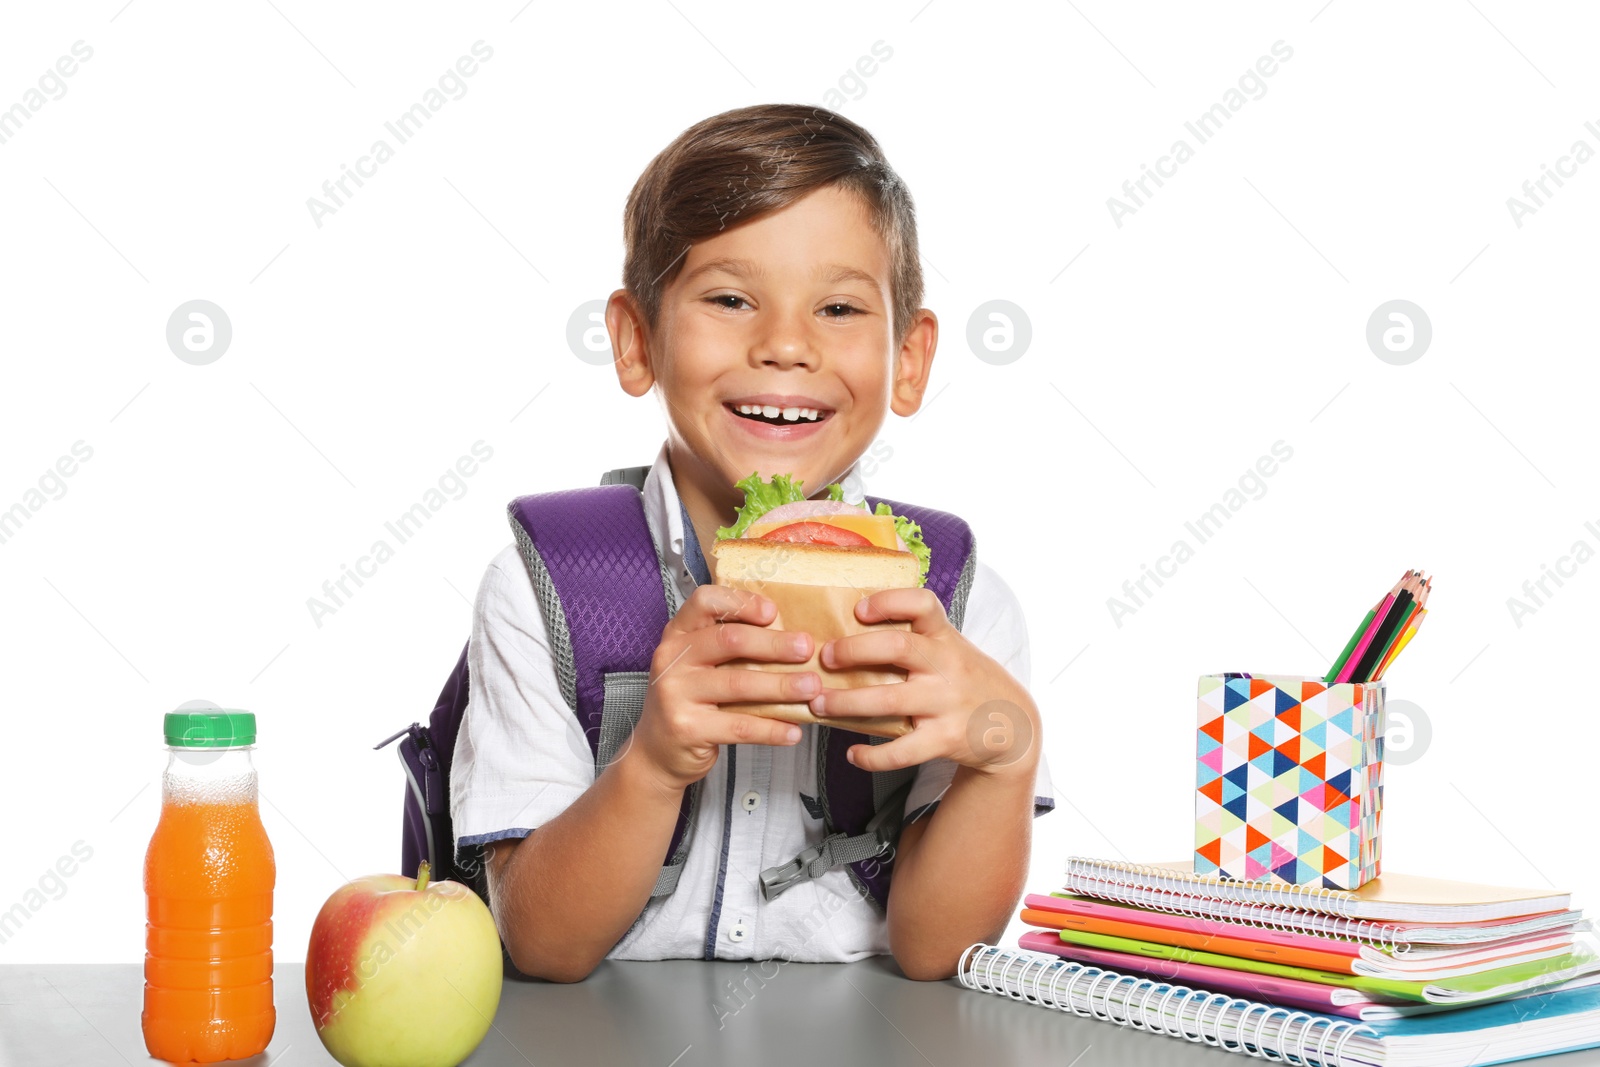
point(878, 529)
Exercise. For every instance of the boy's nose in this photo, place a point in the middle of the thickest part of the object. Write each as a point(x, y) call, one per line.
point(785, 346)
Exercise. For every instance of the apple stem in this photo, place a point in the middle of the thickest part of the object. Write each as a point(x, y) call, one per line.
point(422, 876)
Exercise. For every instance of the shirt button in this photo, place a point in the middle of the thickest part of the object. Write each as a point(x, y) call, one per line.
point(751, 800)
point(738, 932)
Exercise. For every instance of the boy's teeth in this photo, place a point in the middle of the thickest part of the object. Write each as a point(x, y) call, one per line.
point(772, 411)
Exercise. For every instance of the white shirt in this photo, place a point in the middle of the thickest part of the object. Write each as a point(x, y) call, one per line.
point(521, 758)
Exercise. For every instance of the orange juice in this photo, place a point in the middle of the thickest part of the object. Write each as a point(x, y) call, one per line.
point(208, 878)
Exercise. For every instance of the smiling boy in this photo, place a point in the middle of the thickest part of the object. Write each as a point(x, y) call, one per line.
point(771, 264)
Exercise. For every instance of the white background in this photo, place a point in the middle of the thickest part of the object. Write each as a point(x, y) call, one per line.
point(430, 312)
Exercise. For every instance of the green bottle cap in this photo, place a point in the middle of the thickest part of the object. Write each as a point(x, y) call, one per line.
point(201, 724)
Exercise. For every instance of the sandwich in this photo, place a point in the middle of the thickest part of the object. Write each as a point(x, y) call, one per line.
point(780, 536)
point(815, 559)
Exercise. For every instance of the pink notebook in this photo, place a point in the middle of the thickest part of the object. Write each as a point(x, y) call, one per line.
point(1292, 992)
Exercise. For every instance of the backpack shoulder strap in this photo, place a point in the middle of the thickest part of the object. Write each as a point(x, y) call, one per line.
point(603, 588)
point(953, 553)
point(598, 579)
point(863, 811)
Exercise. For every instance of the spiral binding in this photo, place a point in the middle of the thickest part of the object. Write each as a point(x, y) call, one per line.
point(1235, 1025)
point(1305, 909)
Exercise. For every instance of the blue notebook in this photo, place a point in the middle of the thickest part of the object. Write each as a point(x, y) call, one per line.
point(1507, 1030)
point(1562, 1020)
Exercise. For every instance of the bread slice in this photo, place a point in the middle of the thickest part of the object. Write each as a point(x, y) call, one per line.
point(752, 559)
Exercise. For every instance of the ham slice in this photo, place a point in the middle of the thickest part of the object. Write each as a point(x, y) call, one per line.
point(801, 510)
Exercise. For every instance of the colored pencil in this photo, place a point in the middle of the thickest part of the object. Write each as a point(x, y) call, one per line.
point(1396, 637)
point(1372, 629)
point(1412, 629)
point(1399, 617)
point(1349, 645)
point(1384, 632)
point(1416, 621)
point(1390, 631)
point(1409, 634)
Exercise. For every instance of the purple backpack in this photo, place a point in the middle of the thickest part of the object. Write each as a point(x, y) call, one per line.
point(604, 591)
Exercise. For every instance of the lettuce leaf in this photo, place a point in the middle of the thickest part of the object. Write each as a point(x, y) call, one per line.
point(761, 496)
point(911, 534)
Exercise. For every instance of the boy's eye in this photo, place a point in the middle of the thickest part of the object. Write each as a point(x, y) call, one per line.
point(733, 302)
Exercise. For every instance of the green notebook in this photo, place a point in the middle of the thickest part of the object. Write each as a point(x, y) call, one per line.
point(1467, 989)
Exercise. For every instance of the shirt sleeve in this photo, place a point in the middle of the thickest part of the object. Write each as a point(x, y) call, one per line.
point(520, 757)
point(994, 622)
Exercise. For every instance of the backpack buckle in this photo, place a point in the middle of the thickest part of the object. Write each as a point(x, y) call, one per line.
point(394, 737)
point(775, 880)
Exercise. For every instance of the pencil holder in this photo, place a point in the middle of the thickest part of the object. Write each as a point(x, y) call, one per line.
point(1290, 779)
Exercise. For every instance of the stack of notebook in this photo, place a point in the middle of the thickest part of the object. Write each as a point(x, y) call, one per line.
point(1453, 972)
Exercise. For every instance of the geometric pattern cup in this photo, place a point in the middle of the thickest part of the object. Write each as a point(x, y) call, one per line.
point(1289, 782)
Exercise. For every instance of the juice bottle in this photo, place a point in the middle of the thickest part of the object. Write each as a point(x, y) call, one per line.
point(208, 879)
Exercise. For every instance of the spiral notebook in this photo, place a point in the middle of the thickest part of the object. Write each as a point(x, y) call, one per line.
point(1292, 992)
point(1537, 1025)
point(1276, 946)
point(1390, 898)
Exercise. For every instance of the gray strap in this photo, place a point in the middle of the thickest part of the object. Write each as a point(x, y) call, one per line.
point(555, 616)
point(838, 849)
point(633, 476)
point(667, 880)
point(958, 596)
point(619, 714)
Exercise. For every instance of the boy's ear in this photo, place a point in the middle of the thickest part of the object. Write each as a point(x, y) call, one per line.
point(913, 363)
point(630, 343)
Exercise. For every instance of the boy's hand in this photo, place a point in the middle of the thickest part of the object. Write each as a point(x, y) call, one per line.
point(682, 725)
point(965, 705)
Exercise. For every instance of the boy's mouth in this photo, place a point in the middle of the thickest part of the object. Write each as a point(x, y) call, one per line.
point(777, 418)
point(778, 415)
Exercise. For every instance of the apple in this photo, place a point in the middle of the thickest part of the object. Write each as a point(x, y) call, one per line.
point(403, 973)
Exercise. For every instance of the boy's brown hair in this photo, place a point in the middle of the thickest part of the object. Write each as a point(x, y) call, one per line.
point(748, 162)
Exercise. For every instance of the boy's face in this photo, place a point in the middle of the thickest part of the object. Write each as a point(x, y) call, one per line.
point(791, 311)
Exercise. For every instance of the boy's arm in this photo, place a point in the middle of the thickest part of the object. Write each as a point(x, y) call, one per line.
point(959, 873)
point(566, 893)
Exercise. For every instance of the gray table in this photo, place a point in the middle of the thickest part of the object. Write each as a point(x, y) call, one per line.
point(675, 1013)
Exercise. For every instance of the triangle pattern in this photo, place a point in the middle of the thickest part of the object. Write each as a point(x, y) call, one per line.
point(1288, 780)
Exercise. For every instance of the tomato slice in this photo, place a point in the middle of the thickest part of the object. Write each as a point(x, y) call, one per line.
point(816, 533)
